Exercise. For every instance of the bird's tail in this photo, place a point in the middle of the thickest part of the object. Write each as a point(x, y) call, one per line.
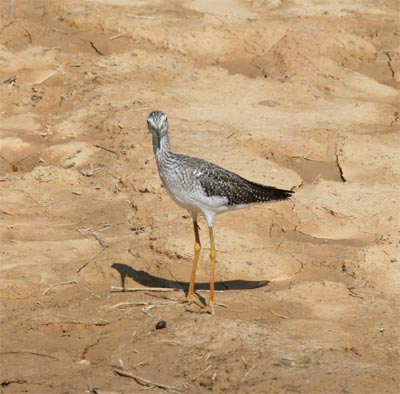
point(263, 193)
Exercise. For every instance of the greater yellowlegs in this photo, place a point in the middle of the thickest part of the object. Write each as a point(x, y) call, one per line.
point(205, 188)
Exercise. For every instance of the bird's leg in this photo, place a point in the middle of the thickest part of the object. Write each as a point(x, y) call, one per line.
point(213, 255)
point(197, 248)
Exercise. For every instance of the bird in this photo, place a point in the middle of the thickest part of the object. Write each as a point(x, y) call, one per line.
point(203, 188)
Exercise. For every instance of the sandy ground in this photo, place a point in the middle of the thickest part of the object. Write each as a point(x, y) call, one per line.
point(295, 94)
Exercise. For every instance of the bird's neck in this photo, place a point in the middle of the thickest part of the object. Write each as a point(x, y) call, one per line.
point(161, 146)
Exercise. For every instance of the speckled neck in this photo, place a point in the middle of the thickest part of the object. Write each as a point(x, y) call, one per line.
point(161, 146)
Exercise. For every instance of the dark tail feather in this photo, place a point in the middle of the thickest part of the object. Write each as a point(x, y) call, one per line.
point(263, 193)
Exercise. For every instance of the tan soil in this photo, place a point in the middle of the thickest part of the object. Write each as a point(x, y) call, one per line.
point(296, 94)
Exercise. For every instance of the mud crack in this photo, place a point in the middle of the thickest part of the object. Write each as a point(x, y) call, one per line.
point(389, 63)
point(7, 382)
point(87, 347)
point(339, 167)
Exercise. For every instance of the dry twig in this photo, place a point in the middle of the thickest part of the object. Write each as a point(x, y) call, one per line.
point(69, 282)
point(366, 281)
point(118, 36)
point(91, 259)
point(32, 353)
point(141, 16)
point(246, 374)
point(139, 303)
point(98, 391)
point(146, 382)
point(278, 315)
point(202, 372)
point(98, 238)
point(146, 310)
point(106, 149)
point(115, 289)
point(163, 297)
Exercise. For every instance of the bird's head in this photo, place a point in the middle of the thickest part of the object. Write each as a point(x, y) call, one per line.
point(157, 123)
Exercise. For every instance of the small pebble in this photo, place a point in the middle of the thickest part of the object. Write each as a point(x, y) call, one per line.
point(393, 260)
point(161, 324)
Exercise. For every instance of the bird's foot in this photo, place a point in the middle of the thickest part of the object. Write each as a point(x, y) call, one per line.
point(192, 299)
point(211, 307)
point(194, 304)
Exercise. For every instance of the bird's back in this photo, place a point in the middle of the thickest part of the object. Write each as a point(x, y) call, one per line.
point(202, 179)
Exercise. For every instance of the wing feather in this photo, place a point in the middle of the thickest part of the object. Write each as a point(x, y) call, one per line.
point(218, 182)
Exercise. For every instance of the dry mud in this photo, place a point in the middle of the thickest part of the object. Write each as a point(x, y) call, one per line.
point(296, 94)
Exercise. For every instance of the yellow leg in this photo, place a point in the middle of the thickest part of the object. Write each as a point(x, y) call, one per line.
point(197, 248)
point(213, 256)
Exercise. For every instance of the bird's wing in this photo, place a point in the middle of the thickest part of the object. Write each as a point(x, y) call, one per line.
point(216, 181)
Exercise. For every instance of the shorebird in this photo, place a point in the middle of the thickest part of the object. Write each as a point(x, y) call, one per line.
point(203, 188)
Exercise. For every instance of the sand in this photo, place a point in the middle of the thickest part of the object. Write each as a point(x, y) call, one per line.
point(295, 94)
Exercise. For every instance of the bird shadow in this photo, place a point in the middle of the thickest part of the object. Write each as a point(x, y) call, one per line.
point(149, 280)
